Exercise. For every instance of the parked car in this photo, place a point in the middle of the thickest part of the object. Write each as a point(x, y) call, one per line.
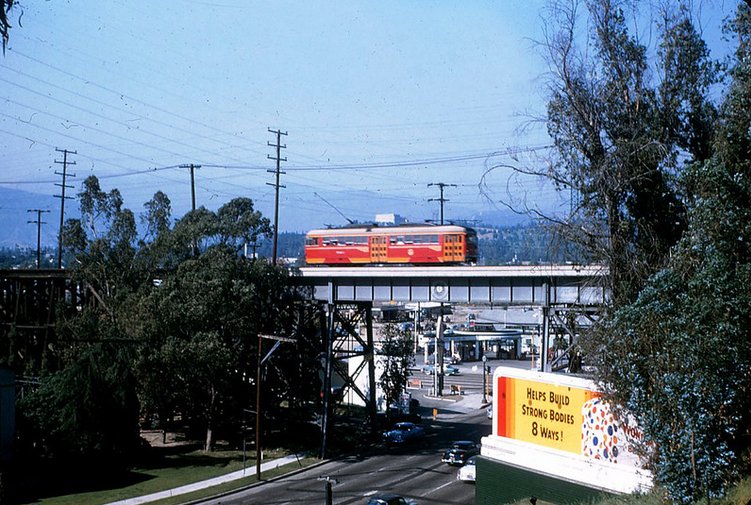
point(460, 452)
point(403, 433)
point(489, 412)
point(390, 499)
point(467, 473)
point(447, 370)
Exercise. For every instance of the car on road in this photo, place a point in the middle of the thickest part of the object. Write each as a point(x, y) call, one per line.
point(460, 452)
point(447, 370)
point(403, 433)
point(467, 473)
point(390, 499)
point(489, 412)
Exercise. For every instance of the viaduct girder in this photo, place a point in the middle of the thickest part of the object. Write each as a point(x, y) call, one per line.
point(503, 285)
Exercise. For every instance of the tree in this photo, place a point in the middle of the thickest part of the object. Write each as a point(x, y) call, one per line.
point(200, 326)
point(158, 215)
point(679, 356)
point(396, 358)
point(5, 8)
point(89, 408)
point(183, 302)
point(619, 135)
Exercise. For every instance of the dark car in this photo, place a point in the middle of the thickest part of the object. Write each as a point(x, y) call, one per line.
point(390, 499)
point(403, 433)
point(460, 452)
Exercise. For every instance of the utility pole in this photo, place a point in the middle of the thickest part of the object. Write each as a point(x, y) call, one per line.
point(192, 168)
point(441, 185)
point(279, 160)
point(62, 198)
point(39, 224)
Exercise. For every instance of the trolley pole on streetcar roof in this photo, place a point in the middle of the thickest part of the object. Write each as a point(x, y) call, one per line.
point(441, 185)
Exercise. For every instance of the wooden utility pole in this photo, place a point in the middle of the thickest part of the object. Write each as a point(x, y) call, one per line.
point(62, 198)
point(39, 224)
point(279, 160)
point(192, 168)
point(441, 185)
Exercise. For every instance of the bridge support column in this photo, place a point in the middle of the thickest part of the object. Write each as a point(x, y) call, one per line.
point(347, 355)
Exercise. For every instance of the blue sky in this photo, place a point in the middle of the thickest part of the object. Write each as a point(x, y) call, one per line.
point(379, 99)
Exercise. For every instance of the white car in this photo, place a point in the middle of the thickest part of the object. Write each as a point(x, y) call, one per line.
point(468, 472)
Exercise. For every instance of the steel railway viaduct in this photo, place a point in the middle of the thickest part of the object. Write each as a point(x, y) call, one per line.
point(555, 289)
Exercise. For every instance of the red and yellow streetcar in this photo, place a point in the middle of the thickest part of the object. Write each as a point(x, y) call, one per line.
point(418, 244)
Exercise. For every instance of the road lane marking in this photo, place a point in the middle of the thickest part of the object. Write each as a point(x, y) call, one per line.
point(439, 488)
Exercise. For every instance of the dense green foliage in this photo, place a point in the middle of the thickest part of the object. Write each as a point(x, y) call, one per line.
point(672, 224)
point(171, 334)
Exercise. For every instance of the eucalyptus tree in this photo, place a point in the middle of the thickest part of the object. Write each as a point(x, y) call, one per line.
point(86, 403)
point(623, 124)
point(199, 327)
point(678, 357)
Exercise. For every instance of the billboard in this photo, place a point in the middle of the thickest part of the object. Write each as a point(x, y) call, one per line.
point(562, 413)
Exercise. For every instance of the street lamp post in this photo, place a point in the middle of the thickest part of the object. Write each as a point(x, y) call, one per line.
point(484, 378)
point(259, 363)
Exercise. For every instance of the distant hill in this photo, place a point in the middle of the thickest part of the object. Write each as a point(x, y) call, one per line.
point(15, 229)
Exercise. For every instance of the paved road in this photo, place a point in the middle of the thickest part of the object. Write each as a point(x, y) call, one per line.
point(414, 472)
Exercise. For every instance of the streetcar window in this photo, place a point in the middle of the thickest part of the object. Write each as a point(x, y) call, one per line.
point(310, 241)
point(408, 239)
point(392, 239)
point(418, 239)
point(348, 240)
point(434, 239)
